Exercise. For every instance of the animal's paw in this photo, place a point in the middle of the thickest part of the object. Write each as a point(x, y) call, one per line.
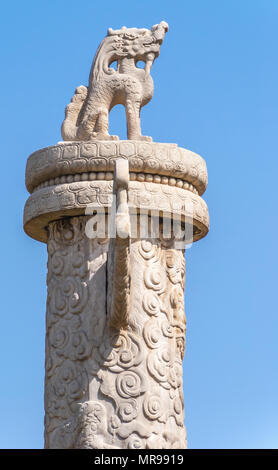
point(146, 138)
point(100, 136)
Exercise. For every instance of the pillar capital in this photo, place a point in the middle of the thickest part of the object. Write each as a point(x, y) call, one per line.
point(66, 178)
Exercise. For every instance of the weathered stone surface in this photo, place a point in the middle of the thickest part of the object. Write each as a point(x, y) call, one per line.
point(115, 323)
point(157, 159)
point(112, 387)
point(64, 186)
point(87, 114)
point(115, 316)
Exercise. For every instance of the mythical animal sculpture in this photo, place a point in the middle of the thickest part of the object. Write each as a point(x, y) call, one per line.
point(86, 117)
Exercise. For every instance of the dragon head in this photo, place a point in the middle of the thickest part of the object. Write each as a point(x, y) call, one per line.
point(141, 44)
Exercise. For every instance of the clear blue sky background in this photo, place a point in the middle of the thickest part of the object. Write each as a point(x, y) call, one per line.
point(216, 94)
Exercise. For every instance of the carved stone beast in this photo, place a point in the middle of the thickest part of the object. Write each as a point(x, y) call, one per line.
point(86, 117)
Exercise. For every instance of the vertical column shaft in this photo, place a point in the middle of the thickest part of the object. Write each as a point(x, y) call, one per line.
point(108, 387)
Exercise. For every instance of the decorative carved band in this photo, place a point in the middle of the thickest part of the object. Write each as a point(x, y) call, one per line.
point(144, 157)
point(53, 203)
point(108, 176)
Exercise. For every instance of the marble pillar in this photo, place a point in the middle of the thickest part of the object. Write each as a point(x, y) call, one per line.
point(115, 323)
point(115, 216)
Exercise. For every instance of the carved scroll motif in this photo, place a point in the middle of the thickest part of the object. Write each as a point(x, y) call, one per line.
point(105, 387)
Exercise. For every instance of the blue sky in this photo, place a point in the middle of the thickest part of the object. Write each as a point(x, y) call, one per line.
point(216, 94)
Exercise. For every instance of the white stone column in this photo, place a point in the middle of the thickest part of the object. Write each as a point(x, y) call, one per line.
point(115, 323)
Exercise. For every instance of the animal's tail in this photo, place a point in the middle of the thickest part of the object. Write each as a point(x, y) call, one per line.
point(69, 126)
